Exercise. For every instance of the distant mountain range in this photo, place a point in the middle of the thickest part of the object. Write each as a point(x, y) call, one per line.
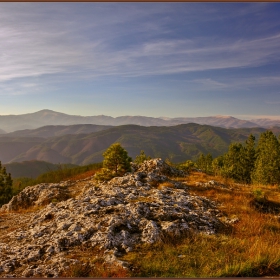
point(10, 123)
point(84, 144)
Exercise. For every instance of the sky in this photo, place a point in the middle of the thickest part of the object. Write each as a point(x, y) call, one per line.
point(148, 59)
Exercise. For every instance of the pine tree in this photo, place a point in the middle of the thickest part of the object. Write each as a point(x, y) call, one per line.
point(267, 165)
point(201, 162)
point(217, 165)
point(116, 162)
point(141, 158)
point(208, 163)
point(6, 182)
point(234, 162)
point(250, 158)
point(205, 163)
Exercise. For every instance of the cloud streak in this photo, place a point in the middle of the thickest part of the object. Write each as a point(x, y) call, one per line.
point(77, 47)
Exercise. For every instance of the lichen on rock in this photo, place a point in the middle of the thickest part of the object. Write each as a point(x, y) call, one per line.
point(112, 216)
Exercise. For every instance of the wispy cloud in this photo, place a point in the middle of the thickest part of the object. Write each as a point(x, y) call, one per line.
point(100, 43)
point(236, 83)
point(210, 83)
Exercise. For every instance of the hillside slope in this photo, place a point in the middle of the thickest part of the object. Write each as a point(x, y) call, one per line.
point(57, 130)
point(177, 143)
point(31, 169)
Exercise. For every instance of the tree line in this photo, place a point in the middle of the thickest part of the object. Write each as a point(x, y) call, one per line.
point(251, 162)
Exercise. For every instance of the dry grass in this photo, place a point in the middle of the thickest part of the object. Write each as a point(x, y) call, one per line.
point(95, 268)
point(249, 248)
point(30, 209)
point(90, 263)
point(84, 175)
point(166, 185)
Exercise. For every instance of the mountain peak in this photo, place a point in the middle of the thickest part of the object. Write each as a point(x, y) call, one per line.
point(224, 117)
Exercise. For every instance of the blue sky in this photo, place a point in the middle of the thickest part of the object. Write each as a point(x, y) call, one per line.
point(152, 59)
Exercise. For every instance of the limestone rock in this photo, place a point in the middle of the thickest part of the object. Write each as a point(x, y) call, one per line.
point(114, 216)
point(37, 195)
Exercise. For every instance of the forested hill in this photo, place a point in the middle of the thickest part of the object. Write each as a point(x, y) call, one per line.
point(57, 130)
point(178, 143)
point(32, 168)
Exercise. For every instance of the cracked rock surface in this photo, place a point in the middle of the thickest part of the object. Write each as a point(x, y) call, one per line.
point(140, 207)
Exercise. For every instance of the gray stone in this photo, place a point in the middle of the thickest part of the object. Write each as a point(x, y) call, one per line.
point(116, 216)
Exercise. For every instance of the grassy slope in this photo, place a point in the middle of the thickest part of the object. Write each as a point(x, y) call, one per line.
point(61, 173)
point(249, 248)
point(11, 147)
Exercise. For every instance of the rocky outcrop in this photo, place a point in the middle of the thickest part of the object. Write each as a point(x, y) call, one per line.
point(38, 195)
point(115, 216)
point(159, 167)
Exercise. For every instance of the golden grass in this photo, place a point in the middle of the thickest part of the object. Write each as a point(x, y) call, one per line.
point(165, 185)
point(84, 175)
point(91, 264)
point(248, 248)
point(251, 247)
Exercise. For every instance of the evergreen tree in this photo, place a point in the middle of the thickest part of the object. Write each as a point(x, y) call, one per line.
point(208, 163)
point(201, 162)
point(6, 192)
point(217, 165)
point(116, 162)
point(141, 158)
point(234, 162)
point(267, 165)
point(250, 158)
point(205, 163)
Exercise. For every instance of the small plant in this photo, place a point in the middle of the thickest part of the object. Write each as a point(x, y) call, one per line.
point(54, 200)
point(188, 166)
point(258, 194)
